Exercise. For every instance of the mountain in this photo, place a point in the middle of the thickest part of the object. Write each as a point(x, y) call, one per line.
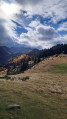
point(5, 54)
point(33, 52)
point(20, 49)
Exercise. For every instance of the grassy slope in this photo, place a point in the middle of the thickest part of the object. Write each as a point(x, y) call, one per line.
point(43, 96)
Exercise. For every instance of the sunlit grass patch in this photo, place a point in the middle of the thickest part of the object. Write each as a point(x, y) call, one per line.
point(59, 68)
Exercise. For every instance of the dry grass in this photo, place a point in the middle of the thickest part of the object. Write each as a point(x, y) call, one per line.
point(43, 96)
point(46, 64)
point(3, 73)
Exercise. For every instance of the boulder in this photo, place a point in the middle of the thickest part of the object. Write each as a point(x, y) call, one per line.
point(13, 106)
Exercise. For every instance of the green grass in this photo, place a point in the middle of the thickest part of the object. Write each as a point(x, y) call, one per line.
point(59, 68)
point(34, 105)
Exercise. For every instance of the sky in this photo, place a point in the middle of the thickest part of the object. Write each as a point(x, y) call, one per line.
point(33, 23)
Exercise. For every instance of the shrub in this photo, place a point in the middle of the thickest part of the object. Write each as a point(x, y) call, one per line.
point(25, 78)
point(12, 79)
point(1, 77)
point(7, 77)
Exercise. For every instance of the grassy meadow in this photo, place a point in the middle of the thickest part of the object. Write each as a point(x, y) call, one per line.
point(42, 96)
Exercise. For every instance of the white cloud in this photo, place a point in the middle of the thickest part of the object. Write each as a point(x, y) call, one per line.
point(34, 24)
point(38, 35)
point(64, 39)
point(55, 9)
point(63, 27)
point(8, 10)
point(7, 27)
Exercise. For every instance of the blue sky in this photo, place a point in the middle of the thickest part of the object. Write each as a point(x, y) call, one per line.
point(34, 23)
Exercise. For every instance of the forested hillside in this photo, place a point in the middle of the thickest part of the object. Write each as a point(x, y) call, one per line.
point(23, 62)
point(58, 49)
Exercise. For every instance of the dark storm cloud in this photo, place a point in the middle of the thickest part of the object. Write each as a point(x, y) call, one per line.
point(3, 34)
point(47, 33)
point(4, 37)
point(25, 2)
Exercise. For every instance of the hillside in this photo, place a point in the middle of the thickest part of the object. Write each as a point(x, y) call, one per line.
point(8, 53)
point(5, 54)
point(43, 95)
point(50, 64)
point(20, 49)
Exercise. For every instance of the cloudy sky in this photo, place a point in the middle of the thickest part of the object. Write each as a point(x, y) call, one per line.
point(35, 23)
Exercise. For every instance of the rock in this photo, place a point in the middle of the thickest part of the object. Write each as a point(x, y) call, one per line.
point(13, 106)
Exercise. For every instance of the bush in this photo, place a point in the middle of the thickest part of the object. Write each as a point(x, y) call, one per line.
point(12, 79)
point(1, 77)
point(7, 77)
point(25, 78)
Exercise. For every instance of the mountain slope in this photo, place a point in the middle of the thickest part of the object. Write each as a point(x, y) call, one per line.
point(51, 64)
point(43, 95)
point(5, 54)
point(20, 49)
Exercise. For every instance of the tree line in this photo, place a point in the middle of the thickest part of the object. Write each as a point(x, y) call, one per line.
point(58, 49)
point(24, 62)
